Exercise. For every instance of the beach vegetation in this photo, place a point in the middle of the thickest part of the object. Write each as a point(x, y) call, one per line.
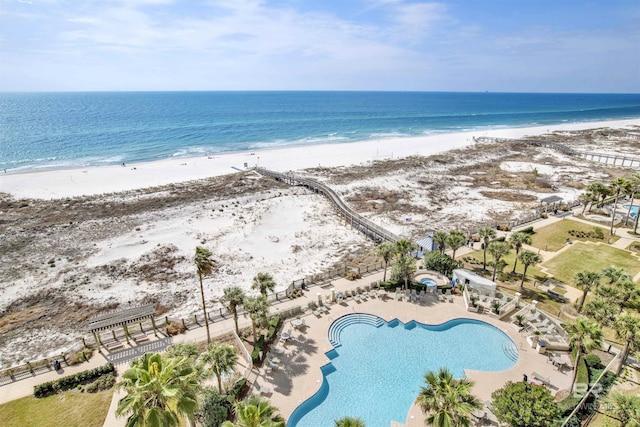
point(255, 412)
point(486, 235)
point(618, 186)
point(263, 282)
point(440, 239)
point(455, 240)
point(625, 407)
point(497, 250)
point(586, 281)
point(447, 401)
point(219, 359)
point(349, 422)
point(386, 251)
point(440, 262)
point(159, 391)
point(517, 240)
point(584, 335)
point(257, 308)
point(520, 404)
point(204, 267)
point(232, 298)
point(528, 258)
point(627, 329)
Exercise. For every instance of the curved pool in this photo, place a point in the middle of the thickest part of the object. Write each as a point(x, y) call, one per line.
point(377, 367)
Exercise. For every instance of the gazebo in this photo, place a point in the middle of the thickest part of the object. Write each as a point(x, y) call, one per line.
point(114, 319)
point(551, 202)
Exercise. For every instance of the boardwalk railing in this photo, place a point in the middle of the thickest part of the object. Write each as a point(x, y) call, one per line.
point(357, 221)
point(606, 158)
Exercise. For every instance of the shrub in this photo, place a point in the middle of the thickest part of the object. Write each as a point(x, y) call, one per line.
point(593, 361)
point(528, 230)
point(214, 409)
point(441, 263)
point(71, 381)
point(105, 382)
point(175, 328)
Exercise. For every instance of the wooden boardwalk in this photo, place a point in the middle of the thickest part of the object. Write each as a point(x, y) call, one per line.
point(619, 160)
point(371, 230)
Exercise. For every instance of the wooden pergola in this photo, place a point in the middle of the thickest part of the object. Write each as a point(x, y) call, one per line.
point(114, 319)
point(550, 201)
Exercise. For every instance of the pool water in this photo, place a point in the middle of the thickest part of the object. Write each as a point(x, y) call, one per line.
point(377, 369)
point(634, 210)
point(428, 282)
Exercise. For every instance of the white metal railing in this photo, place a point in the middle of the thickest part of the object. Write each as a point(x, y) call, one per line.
point(245, 353)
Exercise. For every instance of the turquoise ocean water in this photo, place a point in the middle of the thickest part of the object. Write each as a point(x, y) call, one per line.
point(62, 130)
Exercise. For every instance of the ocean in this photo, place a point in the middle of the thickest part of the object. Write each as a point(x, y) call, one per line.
point(63, 130)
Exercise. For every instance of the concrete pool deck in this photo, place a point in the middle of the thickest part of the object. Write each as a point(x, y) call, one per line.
point(298, 374)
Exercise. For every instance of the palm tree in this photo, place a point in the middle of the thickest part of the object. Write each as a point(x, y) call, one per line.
point(257, 308)
point(204, 266)
point(625, 407)
point(600, 310)
point(405, 268)
point(159, 390)
point(497, 251)
point(528, 258)
point(587, 198)
point(618, 185)
point(626, 290)
point(517, 240)
point(263, 282)
point(614, 273)
point(447, 401)
point(232, 298)
point(599, 190)
point(486, 234)
point(586, 280)
point(403, 247)
point(455, 240)
point(610, 294)
point(221, 359)
point(634, 189)
point(440, 238)
point(255, 412)
point(349, 422)
point(584, 335)
point(386, 250)
point(627, 329)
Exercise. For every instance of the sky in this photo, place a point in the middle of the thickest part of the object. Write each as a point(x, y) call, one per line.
point(392, 45)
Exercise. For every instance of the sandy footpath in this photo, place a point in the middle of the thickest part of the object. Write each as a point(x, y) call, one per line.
point(108, 179)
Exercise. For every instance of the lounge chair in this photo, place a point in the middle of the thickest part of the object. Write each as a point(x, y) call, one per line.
point(537, 376)
point(317, 313)
point(263, 389)
point(440, 297)
point(449, 297)
point(357, 298)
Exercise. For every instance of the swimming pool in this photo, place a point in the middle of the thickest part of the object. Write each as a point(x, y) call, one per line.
point(377, 367)
point(634, 210)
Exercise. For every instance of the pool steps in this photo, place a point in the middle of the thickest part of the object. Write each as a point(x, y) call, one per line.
point(511, 351)
point(336, 327)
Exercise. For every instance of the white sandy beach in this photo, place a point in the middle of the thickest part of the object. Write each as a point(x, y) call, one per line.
point(107, 179)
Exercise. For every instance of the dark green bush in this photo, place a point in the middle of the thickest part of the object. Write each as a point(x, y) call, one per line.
point(528, 230)
point(71, 381)
point(214, 409)
point(593, 361)
point(105, 382)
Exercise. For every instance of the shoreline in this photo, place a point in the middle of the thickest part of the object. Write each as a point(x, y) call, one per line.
point(94, 180)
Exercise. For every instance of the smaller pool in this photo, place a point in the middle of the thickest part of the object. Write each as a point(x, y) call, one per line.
point(428, 282)
point(633, 210)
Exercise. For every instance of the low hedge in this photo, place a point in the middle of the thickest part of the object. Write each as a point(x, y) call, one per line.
point(71, 381)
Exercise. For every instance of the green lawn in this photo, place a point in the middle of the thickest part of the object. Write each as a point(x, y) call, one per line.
point(582, 256)
point(67, 409)
point(553, 237)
